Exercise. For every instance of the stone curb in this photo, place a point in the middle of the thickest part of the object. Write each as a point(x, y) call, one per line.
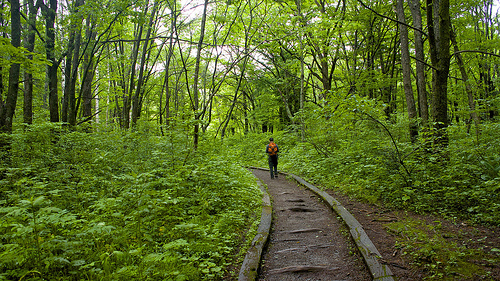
point(371, 256)
point(248, 270)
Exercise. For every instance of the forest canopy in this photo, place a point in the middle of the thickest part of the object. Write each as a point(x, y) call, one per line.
point(246, 66)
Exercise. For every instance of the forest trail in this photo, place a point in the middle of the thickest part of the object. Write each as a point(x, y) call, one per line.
point(307, 240)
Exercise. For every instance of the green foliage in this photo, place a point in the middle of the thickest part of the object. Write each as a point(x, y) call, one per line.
point(429, 246)
point(249, 150)
point(11, 55)
point(378, 164)
point(352, 148)
point(119, 206)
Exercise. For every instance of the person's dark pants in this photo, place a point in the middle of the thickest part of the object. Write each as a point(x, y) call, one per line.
point(273, 165)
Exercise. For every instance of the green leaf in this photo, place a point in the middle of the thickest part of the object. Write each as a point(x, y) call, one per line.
point(39, 201)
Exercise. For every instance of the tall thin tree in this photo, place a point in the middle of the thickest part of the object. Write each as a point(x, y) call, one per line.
point(195, 100)
point(8, 109)
point(49, 12)
point(423, 106)
point(406, 67)
point(29, 44)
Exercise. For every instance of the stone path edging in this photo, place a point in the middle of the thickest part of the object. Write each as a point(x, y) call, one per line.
point(248, 270)
point(371, 256)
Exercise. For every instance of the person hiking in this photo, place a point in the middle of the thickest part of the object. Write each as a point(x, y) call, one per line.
point(272, 153)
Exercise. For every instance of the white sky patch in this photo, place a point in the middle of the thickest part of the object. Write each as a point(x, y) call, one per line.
point(192, 8)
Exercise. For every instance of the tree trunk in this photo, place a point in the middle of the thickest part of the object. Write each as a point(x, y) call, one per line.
point(88, 71)
point(68, 111)
point(50, 34)
point(72, 107)
point(388, 69)
point(405, 64)
point(486, 71)
point(128, 99)
point(235, 98)
point(4, 35)
point(67, 77)
point(166, 82)
point(124, 112)
point(28, 77)
point(439, 24)
point(9, 108)
point(196, 102)
point(167, 79)
point(285, 104)
point(137, 99)
point(245, 113)
point(86, 90)
point(470, 94)
point(423, 106)
point(324, 66)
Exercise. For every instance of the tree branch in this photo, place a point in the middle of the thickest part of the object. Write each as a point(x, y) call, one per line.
point(34, 28)
point(472, 51)
point(391, 19)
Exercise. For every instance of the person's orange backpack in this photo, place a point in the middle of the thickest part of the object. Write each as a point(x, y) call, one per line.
point(272, 149)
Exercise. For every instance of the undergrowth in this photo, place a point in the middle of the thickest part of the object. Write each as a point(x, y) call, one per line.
point(119, 206)
point(435, 250)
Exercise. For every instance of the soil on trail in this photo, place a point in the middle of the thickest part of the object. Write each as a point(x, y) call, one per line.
point(307, 241)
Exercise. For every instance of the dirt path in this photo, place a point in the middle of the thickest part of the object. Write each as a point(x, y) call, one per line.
point(307, 241)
